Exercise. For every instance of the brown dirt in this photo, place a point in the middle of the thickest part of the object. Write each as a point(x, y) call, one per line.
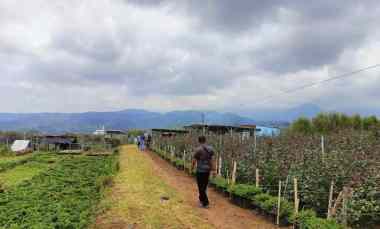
point(222, 214)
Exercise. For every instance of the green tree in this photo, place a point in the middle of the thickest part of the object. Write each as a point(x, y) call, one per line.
point(302, 125)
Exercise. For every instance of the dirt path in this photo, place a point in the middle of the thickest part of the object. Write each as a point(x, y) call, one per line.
point(221, 214)
point(150, 193)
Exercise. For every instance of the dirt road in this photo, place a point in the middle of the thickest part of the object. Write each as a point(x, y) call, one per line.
point(150, 193)
point(221, 214)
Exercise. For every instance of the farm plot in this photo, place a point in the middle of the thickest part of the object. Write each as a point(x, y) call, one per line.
point(8, 162)
point(335, 176)
point(63, 195)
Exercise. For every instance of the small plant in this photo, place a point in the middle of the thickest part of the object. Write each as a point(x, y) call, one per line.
point(245, 191)
point(220, 183)
point(308, 219)
point(261, 198)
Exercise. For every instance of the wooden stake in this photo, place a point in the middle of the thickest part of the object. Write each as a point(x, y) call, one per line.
point(228, 177)
point(278, 203)
point(184, 160)
point(330, 200)
point(220, 165)
point(234, 173)
point(344, 206)
point(257, 178)
point(296, 200)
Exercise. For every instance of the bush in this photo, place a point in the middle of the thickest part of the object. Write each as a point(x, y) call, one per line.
point(179, 163)
point(220, 183)
point(259, 200)
point(245, 191)
point(308, 219)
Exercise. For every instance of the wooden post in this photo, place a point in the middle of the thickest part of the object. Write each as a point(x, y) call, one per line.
point(234, 172)
point(257, 178)
point(323, 148)
point(220, 166)
point(172, 154)
point(296, 200)
point(228, 177)
point(330, 200)
point(184, 160)
point(278, 203)
point(344, 207)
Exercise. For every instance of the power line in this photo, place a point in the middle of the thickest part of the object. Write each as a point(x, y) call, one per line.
point(268, 98)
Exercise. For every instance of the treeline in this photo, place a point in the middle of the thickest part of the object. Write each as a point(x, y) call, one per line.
point(332, 122)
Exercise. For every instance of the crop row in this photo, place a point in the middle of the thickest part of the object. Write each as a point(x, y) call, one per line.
point(349, 159)
point(63, 196)
point(252, 197)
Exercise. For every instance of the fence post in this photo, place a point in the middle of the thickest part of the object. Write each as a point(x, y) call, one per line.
point(330, 200)
point(228, 177)
point(296, 200)
point(220, 166)
point(234, 172)
point(257, 178)
point(344, 206)
point(278, 203)
point(184, 160)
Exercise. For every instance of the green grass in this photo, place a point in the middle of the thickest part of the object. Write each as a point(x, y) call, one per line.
point(137, 197)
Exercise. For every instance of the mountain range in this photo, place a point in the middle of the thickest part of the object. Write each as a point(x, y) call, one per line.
point(133, 118)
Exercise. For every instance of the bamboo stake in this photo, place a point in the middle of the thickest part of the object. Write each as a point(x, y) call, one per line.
point(330, 200)
point(220, 165)
point(184, 160)
point(234, 172)
point(296, 200)
point(344, 207)
point(228, 177)
point(257, 178)
point(278, 203)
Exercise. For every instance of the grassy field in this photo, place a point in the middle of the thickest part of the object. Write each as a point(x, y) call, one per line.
point(141, 198)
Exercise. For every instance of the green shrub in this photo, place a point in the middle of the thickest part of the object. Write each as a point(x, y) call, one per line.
point(286, 209)
point(179, 162)
point(260, 199)
point(307, 219)
point(220, 182)
point(269, 205)
point(245, 190)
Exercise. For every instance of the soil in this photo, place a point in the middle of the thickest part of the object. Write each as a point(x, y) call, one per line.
point(221, 214)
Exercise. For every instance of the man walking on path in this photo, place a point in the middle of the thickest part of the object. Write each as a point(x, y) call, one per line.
point(203, 159)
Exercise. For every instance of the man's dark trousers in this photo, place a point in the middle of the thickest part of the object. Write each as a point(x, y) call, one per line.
point(202, 180)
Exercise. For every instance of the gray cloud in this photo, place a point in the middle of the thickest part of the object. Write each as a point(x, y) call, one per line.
point(129, 50)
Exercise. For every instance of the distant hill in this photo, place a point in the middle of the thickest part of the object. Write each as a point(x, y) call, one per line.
point(126, 119)
point(286, 115)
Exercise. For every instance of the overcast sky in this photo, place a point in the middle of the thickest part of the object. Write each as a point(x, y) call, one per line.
point(82, 55)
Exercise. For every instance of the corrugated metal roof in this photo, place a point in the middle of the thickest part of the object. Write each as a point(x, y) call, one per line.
point(20, 145)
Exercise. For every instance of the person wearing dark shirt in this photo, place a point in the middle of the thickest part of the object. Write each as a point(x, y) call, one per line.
point(203, 160)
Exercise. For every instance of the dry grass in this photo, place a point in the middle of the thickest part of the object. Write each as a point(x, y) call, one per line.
point(137, 199)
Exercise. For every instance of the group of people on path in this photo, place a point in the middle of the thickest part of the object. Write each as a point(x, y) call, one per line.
point(143, 141)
